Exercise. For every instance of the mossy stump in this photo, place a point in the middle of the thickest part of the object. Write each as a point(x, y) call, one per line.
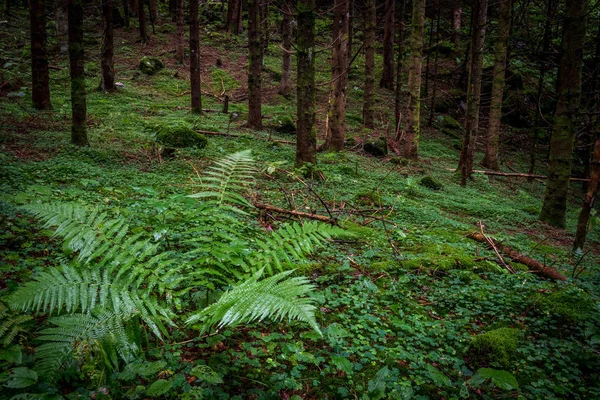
point(150, 65)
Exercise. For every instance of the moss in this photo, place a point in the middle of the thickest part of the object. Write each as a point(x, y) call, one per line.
point(372, 199)
point(286, 125)
point(498, 345)
point(571, 304)
point(180, 137)
point(446, 121)
point(376, 147)
point(430, 183)
point(150, 65)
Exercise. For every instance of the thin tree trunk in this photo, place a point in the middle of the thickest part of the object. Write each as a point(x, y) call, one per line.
point(456, 25)
point(126, 13)
point(370, 26)
point(550, 14)
point(435, 72)
point(134, 7)
point(493, 135)
point(387, 76)
point(108, 67)
point(142, 20)
point(351, 13)
point(255, 57)
point(234, 10)
point(263, 29)
point(465, 163)
point(286, 60)
point(153, 12)
point(62, 26)
point(428, 59)
point(413, 131)
point(339, 76)
point(76, 59)
point(563, 131)
point(306, 137)
point(195, 81)
point(588, 203)
point(400, 59)
point(40, 76)
point(179, 32)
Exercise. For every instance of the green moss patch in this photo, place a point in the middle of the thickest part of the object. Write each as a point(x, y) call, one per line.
point(498, 345)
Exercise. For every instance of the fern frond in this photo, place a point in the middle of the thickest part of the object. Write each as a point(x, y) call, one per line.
point(291, 244)
point(11, 325)
point(223, 181)
point(274, 297)
point(104, 330)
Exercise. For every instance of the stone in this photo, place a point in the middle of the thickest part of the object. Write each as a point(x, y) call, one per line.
point(376, 147)
point(150, 65)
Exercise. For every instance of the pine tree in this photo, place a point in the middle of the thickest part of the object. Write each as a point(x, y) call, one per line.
point(286, 44)
point(255, 58)
point(387, 76)
point(108, 66)
point(40, 75)
point(195, 80)
point(370, 25)
point(180, 31)
point(76, 59)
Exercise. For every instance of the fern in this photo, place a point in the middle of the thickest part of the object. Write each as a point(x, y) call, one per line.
point(291, 244)
point(224, 181)
point(253, 300)
point(11, 325)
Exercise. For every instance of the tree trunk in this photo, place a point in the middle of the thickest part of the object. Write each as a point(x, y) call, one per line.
point(179, 32)
point(588, 203)
point(286, 60)
point(465, 163)
point(387, 76)
point(456, 24)
point(398, 94)
point(493, 135)
point(255, 57)
point(413, 118)
point(40, 76)
point(339, 76)
point(234, 10)
point(142, 20)
point(563, 130)
point(306, 137)
point(134, 7)
point(195, 81)
point(263, 29)
point(62, 26)
point(370, 26)
point(76, 59)
point(126, 13)
point(351, 13)
point(435, 71)
point(153, 11)
point(108, 67)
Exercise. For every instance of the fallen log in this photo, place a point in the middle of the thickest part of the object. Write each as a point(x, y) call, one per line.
point(517, 175)
point(534, 265)
point(217, 133)
point(295, 213)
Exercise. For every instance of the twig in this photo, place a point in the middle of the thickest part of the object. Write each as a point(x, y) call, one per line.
point(316, 217)
point(491, 243)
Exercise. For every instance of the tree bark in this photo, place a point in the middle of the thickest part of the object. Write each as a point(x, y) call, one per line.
point(413, 131)
point(62, 26)
point(387, 76)
point(234, 11)
point(400, 59)
point(108, 67)
point(142, 21)
point(255, 57)
point(370, 27)
point(76, 60)
point(153, 11)
point(126, 13)
point(306, 136)
point(263, 29)
point(456, 25)
point(465, 163)
point(435, 71)
point(286, 60)
point(563, 130)
point(179, 32)
point(195, 82)
point(40, 76)
point(590, 197)
point(339, 76)
point(490, 159)
point(134, 7)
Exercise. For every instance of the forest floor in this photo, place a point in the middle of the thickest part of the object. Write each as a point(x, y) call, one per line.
point(410, 306)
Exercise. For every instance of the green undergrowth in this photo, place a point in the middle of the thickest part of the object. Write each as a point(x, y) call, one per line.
point(409, 306)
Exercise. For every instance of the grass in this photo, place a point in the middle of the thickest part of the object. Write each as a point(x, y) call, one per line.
point(400, 302)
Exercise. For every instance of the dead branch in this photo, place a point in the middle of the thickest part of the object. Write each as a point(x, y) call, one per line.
point(217, 133)
point(316, 217)
point(491, 243)
point(534, 265)
point(519, 175)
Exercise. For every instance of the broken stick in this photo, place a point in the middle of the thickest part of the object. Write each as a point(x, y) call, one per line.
point(316, 217)
point(534, 265)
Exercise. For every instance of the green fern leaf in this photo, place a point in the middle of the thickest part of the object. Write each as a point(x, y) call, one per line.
point(274, 297)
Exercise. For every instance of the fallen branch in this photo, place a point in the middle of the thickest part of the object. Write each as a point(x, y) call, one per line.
point(316, 217)
point(517, 175)
point(493, 246)
point(534, 265)
point(217, 133)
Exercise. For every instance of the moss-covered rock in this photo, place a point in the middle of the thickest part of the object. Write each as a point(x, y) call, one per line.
point(430, 183)
point(180, 137)
point(372, 199)
point(286, 125)
point(498, 345)
point(150, 65)
point(446, 121)
point(376, 147)
point(572, 304)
